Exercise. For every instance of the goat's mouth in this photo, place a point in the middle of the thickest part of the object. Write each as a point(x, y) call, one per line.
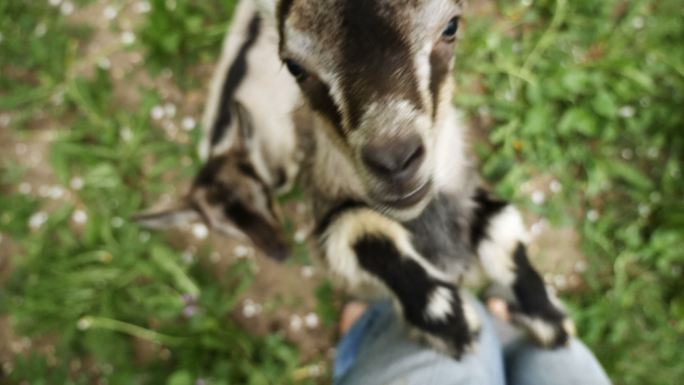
point(411, 199)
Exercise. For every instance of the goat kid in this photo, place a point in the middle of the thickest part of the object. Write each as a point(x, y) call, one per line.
point(249, 141)
point(400, 211)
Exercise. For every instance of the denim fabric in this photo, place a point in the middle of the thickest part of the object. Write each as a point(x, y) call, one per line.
point(377, 351)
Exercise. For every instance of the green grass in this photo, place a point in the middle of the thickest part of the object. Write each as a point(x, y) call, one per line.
point(589, 93)
point(102, 291)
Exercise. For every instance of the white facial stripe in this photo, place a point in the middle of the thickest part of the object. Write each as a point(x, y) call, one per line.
point(424, 71)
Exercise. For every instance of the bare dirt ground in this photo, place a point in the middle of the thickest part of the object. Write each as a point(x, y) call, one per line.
point(282, 296)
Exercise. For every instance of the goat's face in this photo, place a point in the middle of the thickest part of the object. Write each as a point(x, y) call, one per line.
point(233, 199)
point(377, 72)
point(230, 197)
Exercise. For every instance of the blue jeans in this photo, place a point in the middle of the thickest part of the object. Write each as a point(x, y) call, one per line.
point(377, 351)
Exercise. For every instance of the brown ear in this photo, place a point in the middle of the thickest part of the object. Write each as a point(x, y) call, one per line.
point(168, 218)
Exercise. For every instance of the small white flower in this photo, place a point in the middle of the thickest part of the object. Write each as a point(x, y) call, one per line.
point(128, 38)
point(656, 197)
point(84, 323)
point(250, 309)
point(555, 186)
point(25, 188)
point(653, 152)
point(315, 371)
point(76, 183)
point(638, 22)
point(300, 236)
point(200, 231)
point(241, 251)
point(580, 267)
point(142, 7)
point(308, 271)
point(644, 210)
point(296, 323)
point(117, 222)
point(104, 64)
point(55, 3)
point(38, 219)
point(110, 12)
point(538, 197)
point(67, 8)
point(170, 110)
point(188, 123)
point(126, 134)
point(627, 154)
point(5, 120)
point(311, 321)
point(40, 30)
point(537, 228)
point(627, 112)
point(593, 215)
point(526, 3)
point(560, 282)
point(144, 237)
point(157, 112)
point(56, 192)
point(80, 217)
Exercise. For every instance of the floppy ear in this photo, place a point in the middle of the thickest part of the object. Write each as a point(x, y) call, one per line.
point(168, 218)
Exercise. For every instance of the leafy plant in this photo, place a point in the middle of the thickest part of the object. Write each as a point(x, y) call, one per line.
point(586, 92)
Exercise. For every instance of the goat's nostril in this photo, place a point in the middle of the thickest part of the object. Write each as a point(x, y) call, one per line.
point(414, 158)
point(394, 158)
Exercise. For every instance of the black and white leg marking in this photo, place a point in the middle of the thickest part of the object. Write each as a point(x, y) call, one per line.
point(499, 237)
point(371, 255)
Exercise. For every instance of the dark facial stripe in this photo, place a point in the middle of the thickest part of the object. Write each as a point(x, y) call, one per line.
point(320, 100)
point(268, 238)
point(375, 61)
point(486, 208)
point(439, 70)
point(207, 174)
point(284, 8)
point(235, 76)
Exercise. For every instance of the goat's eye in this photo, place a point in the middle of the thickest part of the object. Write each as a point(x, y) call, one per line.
point(449, 32)
point(295, 69)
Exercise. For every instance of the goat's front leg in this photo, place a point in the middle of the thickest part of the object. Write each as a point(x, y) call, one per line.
point(371, 255)
point(500, 237)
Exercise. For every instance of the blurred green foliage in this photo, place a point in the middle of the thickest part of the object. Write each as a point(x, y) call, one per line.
point(590, 93)
point(179, 33)
point(117, 304)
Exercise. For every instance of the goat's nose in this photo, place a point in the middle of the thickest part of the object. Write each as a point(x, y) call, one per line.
point(397, 159)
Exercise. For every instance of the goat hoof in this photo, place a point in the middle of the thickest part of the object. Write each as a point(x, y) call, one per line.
point(550, 334)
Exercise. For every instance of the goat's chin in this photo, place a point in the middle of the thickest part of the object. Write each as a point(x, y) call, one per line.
point(404, 214)
point(408, 207)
